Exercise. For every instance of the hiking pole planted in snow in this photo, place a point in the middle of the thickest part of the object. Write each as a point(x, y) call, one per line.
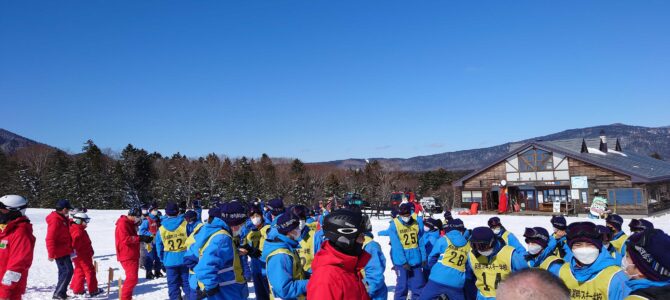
point(95, 265)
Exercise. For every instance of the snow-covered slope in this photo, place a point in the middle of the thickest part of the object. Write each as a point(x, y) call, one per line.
point(43, 274)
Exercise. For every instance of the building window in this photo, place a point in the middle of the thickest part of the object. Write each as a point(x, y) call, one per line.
point(624, 196)
point(471, 196)
point(555, 195)
point(535, 160)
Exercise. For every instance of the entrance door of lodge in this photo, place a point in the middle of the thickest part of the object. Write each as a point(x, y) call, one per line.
point(528, 197)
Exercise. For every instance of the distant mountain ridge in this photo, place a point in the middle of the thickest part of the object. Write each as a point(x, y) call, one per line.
point(11, 142)
point(634, 139)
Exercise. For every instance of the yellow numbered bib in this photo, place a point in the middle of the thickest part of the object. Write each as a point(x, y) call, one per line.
point(298, 273)
point(191, 238)
point(489, 275)
point(618, 243)
point(174, 241)
point(306, 251)
point(550, 260)
point(455, 257)
point(595, 288)
point(409, 235)
point(237, 264)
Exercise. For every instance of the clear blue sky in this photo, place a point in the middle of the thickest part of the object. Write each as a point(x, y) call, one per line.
point(324, 80)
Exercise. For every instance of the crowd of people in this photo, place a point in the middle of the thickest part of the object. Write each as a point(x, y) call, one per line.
point(330, 252)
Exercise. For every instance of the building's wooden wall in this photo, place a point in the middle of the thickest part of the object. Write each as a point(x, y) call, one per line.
point(487, 178)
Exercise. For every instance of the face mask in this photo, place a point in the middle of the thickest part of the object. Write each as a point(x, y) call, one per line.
point(487, 252)
point(405, 219)
point(586, 255)
point(497, 230)
point(144, 212)
point(606, 245)
point(154, 213)
point(426, 228)
point(236, 232)
point(626, 266)
point(534, 248)
point(302, 224)
point(294, 235)
point(256, 221)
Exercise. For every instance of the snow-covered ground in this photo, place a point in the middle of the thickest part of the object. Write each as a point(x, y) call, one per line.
point(43, 274)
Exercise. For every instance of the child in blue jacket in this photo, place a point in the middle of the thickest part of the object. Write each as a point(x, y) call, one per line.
point(447, 262)
point(431, 233)
point(406, 254)
point(286, 278)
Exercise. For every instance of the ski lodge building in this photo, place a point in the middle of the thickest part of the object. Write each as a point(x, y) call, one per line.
point(570, 172)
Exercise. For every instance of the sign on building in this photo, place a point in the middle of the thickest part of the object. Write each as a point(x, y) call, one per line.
point(579, 182)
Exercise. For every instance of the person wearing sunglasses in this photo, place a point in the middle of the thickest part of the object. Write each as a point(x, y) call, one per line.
point(500, 231)
point(491, 260)
point(447, 263)
point(614, 222)
point(591, 272)
point(540, 250)
point(84, 271)
point(560, 225)
point(647, 264)
point(17, 244)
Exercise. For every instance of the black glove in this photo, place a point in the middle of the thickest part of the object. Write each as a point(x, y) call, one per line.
point(251, 251)
point(146, 238)
point(207, 293)
point(407, 267)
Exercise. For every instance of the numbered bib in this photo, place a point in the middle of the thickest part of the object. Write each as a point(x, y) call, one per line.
point(409, 235)
point(489, 275)
point(595, 288)
point(455, 257)
point(174, 241)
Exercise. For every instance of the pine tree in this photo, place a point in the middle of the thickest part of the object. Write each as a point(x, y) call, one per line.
point(268, 178)
point(243, 182)
point(139, 174)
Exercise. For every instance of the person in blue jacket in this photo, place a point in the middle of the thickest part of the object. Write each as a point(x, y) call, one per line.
point(276, 208)
point(560, 226)
point(591, 270)
point(635, 225)
point(279, 252)
point(219, 270)
point(149, 227)
point(192, 221)
point(540, 252)
point(647, 264)
point(406, 254)
point(171, 246)
point(194, 245)
point(490, 261)
point(253, 239)
point(500, 231)
point(431, 233)
point(374, 269)
point(447, 262)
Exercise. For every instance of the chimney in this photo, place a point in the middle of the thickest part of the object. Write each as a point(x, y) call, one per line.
point(618, 146)
point(584, 148)
point(603, 142)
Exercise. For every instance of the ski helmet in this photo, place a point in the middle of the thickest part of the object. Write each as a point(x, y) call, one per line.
point(14, 203)
point(342, 228)
point(81, 218)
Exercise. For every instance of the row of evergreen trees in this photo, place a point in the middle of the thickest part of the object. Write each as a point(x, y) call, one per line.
point(95, 180)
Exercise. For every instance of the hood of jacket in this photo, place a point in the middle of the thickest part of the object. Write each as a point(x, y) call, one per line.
point(171, 223)
point(456, 238)
point(328, 256)
point(585, 273)
point(278, 242)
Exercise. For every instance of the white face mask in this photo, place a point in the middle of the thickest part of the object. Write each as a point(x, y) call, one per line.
point(586, 255)
point(497, 230)
point(426, 228)
point(626, 266)
point(302, 224)
point(256, 221)
point(534, 248)
point(236, 232)
point(487, 252)
point(294, 235)
point(405, 219)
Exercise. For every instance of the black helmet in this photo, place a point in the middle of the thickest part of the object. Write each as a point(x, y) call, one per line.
point(342, 227)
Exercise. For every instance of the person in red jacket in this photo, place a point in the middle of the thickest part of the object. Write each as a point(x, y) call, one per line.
point(84, 271)
point(59, 246)
point(336, 269)
point(128, 249)
point(17, 244)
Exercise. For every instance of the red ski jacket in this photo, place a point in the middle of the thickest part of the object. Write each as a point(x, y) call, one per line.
point(59, 242)
point(17, 244)
point(127, 240)
point(81, 242)
point(337, 276)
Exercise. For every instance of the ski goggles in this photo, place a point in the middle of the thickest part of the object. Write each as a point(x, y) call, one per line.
point(586, 230)
point(78, 221)
point(532, 234)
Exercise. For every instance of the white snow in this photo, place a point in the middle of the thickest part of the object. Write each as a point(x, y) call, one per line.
point(43, 274)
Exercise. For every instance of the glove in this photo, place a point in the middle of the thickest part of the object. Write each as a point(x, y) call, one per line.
point(146, 238)
point(251, 251)
point(207, 293)
point(407, 267)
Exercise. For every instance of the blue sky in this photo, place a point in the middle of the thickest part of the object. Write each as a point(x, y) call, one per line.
point(325, 80)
